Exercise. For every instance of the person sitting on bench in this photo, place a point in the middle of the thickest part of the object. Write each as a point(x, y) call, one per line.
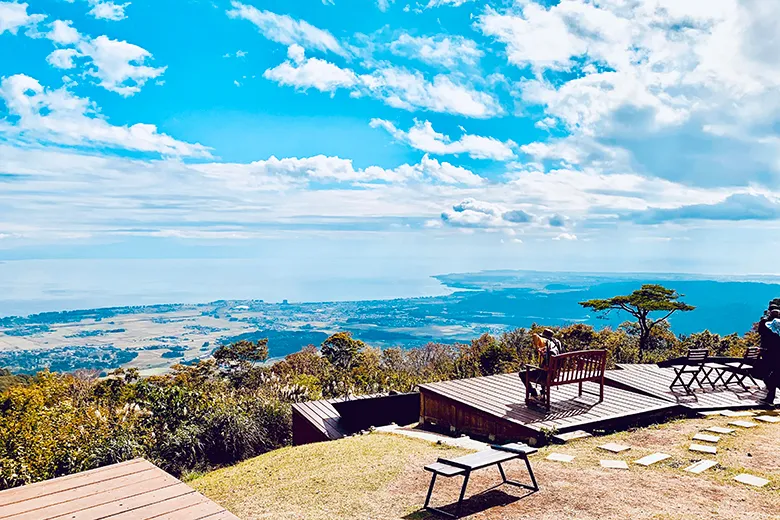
point(546, 345)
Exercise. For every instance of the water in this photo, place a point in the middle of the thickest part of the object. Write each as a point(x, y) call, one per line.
point(31, 286)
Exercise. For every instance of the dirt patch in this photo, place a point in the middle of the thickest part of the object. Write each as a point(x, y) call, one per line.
point(381, 477)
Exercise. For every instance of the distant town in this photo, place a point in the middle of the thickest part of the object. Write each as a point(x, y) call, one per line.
point(153, 338)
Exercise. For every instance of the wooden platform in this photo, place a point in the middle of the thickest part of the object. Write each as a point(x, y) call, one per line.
point(133, 490)
point(654, 381)
point(315, 421)
point(494, 407)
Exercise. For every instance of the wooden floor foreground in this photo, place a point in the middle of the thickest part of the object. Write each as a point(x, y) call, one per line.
point(654, 380)
point(136, 490)
point(461, 403)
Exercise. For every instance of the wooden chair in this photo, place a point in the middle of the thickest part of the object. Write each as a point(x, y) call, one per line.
point(694, 365)
point(741, 370)
point(563, 369)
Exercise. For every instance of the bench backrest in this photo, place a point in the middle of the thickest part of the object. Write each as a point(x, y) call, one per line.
point(697, 355)
point(577, 367)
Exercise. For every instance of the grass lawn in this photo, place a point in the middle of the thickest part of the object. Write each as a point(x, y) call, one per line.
point(380, 476)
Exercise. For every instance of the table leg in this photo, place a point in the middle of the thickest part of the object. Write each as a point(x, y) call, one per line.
point(462, 494)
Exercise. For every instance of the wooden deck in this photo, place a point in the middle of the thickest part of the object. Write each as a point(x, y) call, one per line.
point(494, 407)
point(133, 490)
point(315, 421)
point(654, 380)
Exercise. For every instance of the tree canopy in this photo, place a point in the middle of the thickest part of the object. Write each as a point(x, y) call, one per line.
point(639, 304)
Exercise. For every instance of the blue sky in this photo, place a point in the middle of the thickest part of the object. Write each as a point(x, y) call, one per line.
point(434, 135)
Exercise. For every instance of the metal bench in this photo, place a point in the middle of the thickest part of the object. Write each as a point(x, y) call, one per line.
point(495, 456)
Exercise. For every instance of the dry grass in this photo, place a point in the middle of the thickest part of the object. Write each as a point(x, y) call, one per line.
point(381, 477)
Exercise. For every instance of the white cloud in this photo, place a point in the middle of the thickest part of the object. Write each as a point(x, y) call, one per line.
point(63, 58)
point(323, 168)
point(104, 10)
point(452, 3)
point(423, 137)
point(287, 30)
point(13, 16)
point(407, 90)
point(57, 116)
point(687, 90)
point(566, 236)
point(304, 73)
point(63, 33)
point(399, 88)
point(472, 213)
point(441, 50)
point(120, 66)
point(384, 5)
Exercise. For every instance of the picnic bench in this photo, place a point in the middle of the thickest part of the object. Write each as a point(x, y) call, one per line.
point(563, 369)
point(463, 466)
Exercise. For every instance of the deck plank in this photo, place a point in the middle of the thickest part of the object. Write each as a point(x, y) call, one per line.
point(134, 489)
point(503, 397)
point(655, 380)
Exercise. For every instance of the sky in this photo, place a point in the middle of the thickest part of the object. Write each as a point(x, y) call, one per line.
point(388, 138)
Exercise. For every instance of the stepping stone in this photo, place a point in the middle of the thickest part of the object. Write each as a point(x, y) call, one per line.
point(615, 448)
point(720, 429)
point(652, 459)
point(751, 480)
point(743, 424)
point(768, 419)
point(703, 449)
point(571, 436)
point(706, 438)
point(707, 413)
point(560, 457)
point(729, 413)
point(701, 466)
point(614, 464)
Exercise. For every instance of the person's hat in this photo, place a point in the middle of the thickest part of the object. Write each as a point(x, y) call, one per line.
point(548, 333)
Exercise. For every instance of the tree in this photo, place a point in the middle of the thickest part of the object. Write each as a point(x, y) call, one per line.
point(640, 304)
point(239, 357)
point(341, 349)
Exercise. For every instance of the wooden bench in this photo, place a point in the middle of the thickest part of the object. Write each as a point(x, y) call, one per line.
point(495, 456)
point(564, 369)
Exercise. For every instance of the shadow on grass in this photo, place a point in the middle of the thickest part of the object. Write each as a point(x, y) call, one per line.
point(474, 504)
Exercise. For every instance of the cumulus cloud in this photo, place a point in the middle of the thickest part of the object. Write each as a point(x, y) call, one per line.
point(57, 116)
point(14, 16)
point(472, 213)
point(305, 73)
point(335, 169)
point(566, 236)
point(397, 87)
point(423, 137)
point(452, 3)
point(63, 58)
point(119, 66)
point(286, 30)
point(63, 33)
point(736, 207)
point(104, 10)
point(440, 51)
point(697, 79)
point(384, 5)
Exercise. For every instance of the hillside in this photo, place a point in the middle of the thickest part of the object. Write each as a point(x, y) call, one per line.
point(381, 476)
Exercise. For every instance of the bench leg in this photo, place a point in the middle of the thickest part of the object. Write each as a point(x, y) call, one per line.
point(430, 491)
point(462, 494)
point(533, 487)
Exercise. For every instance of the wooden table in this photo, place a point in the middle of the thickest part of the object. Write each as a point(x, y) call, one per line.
point(495, 456)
